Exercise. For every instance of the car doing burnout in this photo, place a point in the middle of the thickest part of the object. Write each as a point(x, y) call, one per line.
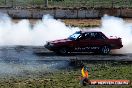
point(85, 41)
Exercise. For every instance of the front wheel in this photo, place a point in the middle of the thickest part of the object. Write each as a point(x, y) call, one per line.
point(105, 50)
point(63, 51)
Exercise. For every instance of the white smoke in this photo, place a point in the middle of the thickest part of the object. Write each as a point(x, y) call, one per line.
point(114, 26)
point(22, 33)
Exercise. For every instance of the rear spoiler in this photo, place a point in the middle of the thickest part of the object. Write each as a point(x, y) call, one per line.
point(115, 37)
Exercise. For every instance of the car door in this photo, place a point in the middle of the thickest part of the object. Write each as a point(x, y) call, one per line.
point(83, 43)
point(97, 40)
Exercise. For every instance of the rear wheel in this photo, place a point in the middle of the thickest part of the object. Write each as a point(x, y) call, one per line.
point(105, 50)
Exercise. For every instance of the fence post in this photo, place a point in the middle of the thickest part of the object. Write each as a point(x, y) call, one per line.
point(93, 3)
point(32, 2)
point(5, 2)
point(12, 3)
point(112, 3)
point(46, 3)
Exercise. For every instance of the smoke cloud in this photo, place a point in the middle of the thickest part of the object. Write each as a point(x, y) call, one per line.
point(114, 26)
point(22, 33)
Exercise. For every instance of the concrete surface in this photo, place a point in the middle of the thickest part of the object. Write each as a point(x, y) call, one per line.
point(26, 60)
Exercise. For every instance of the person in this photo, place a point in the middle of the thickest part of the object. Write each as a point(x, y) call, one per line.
point(84, 72)
point(85, 80)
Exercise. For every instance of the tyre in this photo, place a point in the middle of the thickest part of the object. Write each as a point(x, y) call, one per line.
point(63, 51)
point(105, 50)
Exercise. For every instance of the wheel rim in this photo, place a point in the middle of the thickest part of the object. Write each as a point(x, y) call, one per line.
point(63, 51)
point(105, 49)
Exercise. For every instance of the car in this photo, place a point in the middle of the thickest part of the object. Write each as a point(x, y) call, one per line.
point(85, 41)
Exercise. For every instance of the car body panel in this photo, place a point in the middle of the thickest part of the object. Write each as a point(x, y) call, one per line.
point(85, 41)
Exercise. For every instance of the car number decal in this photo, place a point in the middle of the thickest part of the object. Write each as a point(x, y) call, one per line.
point(87, 48)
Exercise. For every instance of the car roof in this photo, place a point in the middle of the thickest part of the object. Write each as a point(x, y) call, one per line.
point(88, 31)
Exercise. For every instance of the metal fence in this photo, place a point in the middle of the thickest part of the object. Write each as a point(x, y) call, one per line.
point(67, 3)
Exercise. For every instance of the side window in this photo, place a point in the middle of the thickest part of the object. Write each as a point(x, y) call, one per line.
point(97, 35)
point(102, 36)
point(84, 36)
point(87, 35)
point(93, 35)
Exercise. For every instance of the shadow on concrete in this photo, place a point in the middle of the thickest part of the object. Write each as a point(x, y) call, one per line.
point(74, 54)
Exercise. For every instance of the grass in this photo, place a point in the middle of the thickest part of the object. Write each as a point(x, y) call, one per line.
point(92, 3)
point(82, 22)
point(2, 2)
point(70, 78)
point(88, 22)
point(70, 3)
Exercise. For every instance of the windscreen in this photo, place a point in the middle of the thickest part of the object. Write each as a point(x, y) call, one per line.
point(74, 36)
